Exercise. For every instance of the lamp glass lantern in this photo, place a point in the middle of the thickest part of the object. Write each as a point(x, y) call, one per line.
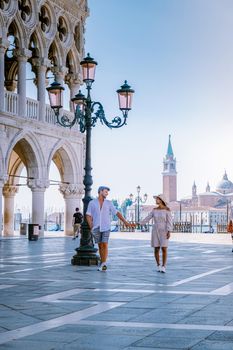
point(55, 91)
point(88, 69)
point(79, 101)
point(125, 96)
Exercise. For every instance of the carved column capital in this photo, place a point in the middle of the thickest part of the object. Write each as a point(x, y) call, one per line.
point(59, 73)
point(73, 79)
point(10, 191)
point(4, 44)
point(3, 180)
point(41, 63)
point(22, 54)
point(38, 185)
point(71, 190)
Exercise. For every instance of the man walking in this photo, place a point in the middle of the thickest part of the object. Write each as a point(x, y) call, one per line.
point(77, 220)
point(98, 215)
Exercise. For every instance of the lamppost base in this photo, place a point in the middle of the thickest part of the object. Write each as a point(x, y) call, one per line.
point(85, 256)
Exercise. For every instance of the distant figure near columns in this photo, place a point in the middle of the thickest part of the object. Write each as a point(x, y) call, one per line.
point(72, 195)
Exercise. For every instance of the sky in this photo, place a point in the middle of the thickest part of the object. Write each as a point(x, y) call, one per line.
point(178, 56)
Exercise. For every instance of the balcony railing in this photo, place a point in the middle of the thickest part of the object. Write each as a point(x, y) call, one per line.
point(32, 109)
point(49, 115)
point(11, 103)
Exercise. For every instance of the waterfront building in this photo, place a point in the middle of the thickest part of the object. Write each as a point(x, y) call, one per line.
point(207, 211)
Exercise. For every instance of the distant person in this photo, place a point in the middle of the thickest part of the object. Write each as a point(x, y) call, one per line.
point(230, 230)
point(98, 215)
point(77, 220)
point(161, 228)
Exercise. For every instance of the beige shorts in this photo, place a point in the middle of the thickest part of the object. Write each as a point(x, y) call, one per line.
point(76, 228)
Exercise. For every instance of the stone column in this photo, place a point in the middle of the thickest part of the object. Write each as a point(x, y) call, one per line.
point(1, 186)
point(72, 195)
point(73, 81)
point(41, 87)
point(59, 74)
point(9, 193)
point(22, 57)
point(38, 188)
point(3, 47)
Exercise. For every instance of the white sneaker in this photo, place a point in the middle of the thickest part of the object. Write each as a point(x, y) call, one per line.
point(163, 269)
point(102, 267)
point(158, 268)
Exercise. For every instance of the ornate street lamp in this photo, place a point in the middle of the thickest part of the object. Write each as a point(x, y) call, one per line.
point(138, 200)
point(86, 115)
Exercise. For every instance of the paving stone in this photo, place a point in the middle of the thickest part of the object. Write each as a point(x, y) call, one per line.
point(29, 345)
point(131, 309)
point(213, 345)
point(94, 341)
point(157, 342)
point(221, 336)
point(184, 333)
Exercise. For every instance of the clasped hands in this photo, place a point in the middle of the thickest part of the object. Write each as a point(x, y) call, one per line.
point(128, 224)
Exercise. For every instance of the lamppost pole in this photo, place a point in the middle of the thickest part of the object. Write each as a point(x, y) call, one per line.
point(87, 113)
point(138, 200)
point(138, 218)
point(86, 243)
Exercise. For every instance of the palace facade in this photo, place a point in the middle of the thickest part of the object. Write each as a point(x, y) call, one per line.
point(40, 41)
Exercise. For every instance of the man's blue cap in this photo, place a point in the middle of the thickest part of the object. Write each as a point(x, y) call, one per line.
point(101, 188)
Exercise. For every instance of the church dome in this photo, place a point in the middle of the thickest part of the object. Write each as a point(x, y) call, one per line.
point(225, 185)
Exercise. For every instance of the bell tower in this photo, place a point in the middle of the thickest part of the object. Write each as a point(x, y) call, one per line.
point(169, 175)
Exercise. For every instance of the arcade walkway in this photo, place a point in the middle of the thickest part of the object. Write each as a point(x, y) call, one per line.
point(46, 303)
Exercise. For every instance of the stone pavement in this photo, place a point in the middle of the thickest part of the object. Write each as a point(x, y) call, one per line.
point(46, 303)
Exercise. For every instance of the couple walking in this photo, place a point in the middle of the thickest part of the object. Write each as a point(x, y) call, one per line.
point(99, 214)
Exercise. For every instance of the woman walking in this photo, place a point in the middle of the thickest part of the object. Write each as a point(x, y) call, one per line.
point(162, 226)
point(230, 230)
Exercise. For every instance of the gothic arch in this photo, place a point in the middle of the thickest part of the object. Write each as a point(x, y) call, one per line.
point(20, 30)
point(41, 44)
point(25, 151)
point(11, 75)
point(15, 168)
point(2, 163)
point(67, 162)
point(72, 61)
point(2, 27)
point(60, 52)
point(56, 54)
